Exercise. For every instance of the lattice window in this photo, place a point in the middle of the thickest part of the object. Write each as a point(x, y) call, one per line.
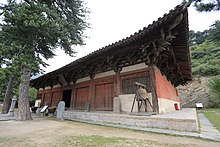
point(129, 87)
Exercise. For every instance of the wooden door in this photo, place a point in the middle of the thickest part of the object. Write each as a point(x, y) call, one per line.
point(109, 96)
point(103, 100)
point(98, 103)
point(81, 98)
point(55, 98)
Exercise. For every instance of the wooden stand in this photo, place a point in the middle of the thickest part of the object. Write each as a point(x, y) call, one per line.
point(140, 100)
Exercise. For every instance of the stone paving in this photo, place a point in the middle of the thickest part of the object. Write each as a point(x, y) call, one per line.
point(207, 130)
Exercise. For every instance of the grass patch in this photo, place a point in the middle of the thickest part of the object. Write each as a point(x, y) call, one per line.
point(2, 139)
point(15, 142)
point(97, 141)
point(213, 116)
point(212, 109)
point(89, 141)
point(1, 109)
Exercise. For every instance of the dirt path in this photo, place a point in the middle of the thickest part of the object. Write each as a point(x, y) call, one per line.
point(47, 132)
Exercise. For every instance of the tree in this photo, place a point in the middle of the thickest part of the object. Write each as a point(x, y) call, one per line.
point(3, 84)
point(205, 51)
point(9, 75)
point(205, 59)
point(197, 37)
point(32, 95)
point(33, 30)
point(214, 32)
point(6, 103)
point(214, 86)
point(207, 6)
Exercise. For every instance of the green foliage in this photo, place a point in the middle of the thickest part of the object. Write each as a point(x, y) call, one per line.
point(31, 31)
point(204, 5)
point(214, 87)
point(91, 141)
point(3, 84)
point(5, 74)
point(197, 37)
point(214, 32)
point(205, 59)
point(96, 141)
point(32, 95)
point(205, 51)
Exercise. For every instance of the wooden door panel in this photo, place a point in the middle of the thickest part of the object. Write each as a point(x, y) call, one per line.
point(47, 99)
point(109, 96)
point(81, 98)
point(103, 97)
point(98, 103)
point(55, 98)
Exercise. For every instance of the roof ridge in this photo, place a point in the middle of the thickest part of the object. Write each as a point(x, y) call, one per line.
point(182, 7)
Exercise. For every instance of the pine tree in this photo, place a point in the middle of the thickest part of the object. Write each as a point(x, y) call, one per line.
point(32, 30)
point(214, 32)
point(207, 6)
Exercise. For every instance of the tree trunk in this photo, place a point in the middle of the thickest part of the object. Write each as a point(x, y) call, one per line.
point(6, 103)
point(23, 100)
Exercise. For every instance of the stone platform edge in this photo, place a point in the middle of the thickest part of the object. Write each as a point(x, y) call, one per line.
point(189, 125)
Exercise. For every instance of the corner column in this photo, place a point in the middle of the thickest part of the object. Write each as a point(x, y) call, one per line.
point(72, 96)
point(153, 88)
point(117, 81)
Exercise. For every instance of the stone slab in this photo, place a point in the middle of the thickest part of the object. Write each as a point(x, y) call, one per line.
point(171, 123)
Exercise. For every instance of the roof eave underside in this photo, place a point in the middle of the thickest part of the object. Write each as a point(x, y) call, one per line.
point(179, 44)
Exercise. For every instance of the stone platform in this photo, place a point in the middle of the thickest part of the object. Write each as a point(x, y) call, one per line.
point(182, 120)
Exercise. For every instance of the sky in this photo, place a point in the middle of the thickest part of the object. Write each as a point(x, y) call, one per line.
point(113, 20)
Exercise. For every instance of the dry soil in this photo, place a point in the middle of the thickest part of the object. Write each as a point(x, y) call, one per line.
point(47, 132)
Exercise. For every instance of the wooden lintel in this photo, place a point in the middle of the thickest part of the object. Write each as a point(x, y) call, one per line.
point(62, 80)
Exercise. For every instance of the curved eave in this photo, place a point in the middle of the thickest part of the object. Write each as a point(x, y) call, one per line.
point(180, 47)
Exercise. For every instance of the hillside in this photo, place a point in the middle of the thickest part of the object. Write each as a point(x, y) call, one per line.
point(195, 91)
point(205, 59)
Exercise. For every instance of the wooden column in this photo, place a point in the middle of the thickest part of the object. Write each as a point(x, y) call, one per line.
point(118, 81)
point(61, 92)
point(153, 88)
point(91, 93)
point(51, 96)
point(72, 96)
point(42, 98)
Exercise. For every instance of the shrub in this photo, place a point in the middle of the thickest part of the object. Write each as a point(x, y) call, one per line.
point(214, 89)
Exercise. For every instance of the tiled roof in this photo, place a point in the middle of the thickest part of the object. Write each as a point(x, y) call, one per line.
point(145, 33)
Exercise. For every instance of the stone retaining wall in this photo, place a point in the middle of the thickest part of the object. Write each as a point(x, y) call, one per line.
point(135, 121)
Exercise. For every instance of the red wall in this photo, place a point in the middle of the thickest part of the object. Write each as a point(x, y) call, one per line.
point(164, 88)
